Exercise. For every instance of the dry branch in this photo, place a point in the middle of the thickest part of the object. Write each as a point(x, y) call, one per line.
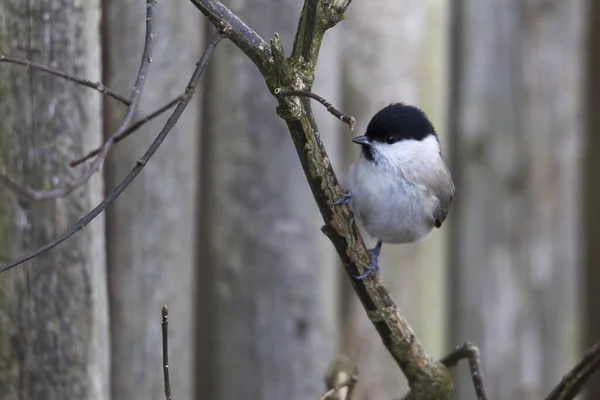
point(140, 164)
point(471, 353)
point(574, 380)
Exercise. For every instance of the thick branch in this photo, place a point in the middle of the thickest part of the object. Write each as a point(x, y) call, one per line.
point(96, 165)
point(140, 164)
point(470, 352)
point(574, 380)
point(237, 31)
point(99, 86)
point(316, 18)
point(428, 378)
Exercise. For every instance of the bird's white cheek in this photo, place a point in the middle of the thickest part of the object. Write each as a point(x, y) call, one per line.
point(406, 151)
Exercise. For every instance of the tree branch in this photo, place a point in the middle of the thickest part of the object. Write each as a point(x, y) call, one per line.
point(427, 377)
point(140, 164)
point(237, 31)
point(99, 86)
point(96, 165)
point(316, 18)
point(137, 125)
point(573, 381)
point(471, 353)
point(351, 121)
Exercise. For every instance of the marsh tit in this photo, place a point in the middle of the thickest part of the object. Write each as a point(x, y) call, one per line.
point(399, 187)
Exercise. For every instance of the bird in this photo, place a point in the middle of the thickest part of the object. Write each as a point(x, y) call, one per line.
point(399, 187)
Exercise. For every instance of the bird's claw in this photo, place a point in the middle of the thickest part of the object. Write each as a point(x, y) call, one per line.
point(346, 197)
point(373, 268)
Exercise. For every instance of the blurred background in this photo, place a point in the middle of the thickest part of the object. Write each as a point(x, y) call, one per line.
point(221, 225)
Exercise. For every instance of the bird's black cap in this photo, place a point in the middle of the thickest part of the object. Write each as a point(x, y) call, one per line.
point(397, 122)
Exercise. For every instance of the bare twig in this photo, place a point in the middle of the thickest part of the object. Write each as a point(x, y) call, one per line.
point(140, 164)
point(95, 166)
point(350, 383)
point(573, 381)
point(471, 353)
point(137, 125)
point(351, 387)
point(99, 86)
point(351, 121)
point(165, 351)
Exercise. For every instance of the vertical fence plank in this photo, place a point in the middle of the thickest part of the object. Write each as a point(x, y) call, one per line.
point(54, 308)
point(151, 242)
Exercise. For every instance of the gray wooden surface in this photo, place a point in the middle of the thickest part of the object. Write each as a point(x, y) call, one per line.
point(517, 129)
point(53, 309)
point(268, 327)
point(150, 228)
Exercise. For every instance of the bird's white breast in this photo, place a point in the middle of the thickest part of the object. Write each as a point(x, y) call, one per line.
point(391, 197)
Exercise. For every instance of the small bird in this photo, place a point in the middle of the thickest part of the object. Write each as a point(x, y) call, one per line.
point(399, 187)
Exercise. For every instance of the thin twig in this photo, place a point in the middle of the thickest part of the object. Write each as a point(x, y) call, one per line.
point(137, 125)
point(471, 353)
point(350, 383)
point(99, 86)
point(165, 350)
point(576, 378)
point(95, 166)
point(351, 387)
point(140, 164)
point(351, 121)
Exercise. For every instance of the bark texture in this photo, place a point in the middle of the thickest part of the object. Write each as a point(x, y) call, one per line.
point(150, 228)
point(268, 319)
point(53, 310)
point(517, 127)
point(400, 59)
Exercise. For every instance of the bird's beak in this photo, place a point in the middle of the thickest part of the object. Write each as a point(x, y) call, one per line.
point(362, 140)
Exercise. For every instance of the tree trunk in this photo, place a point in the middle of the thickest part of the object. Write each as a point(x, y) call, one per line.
point(268, 323)
point(151, 226)
point(53, 309)
point(517, 126)
point(398, 58)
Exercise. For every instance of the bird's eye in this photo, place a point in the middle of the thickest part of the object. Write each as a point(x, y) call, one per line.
point(390, 140)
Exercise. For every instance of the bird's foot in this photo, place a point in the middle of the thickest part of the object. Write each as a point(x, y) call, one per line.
point(346, 197)
point(373, 267)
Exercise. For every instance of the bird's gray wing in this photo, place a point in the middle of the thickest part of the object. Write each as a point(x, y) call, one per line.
point(443, 190)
